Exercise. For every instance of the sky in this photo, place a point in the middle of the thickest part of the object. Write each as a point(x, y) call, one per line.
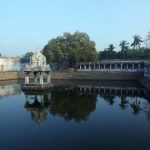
point(28, 25)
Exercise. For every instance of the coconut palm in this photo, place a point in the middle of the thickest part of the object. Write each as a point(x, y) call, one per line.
point(110, 51)
point(136, 42)
point(124, 46)
point(110, 47)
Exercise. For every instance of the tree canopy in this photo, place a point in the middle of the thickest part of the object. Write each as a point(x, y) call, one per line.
point(127, 52)
point(26, 57)
point(71, 48)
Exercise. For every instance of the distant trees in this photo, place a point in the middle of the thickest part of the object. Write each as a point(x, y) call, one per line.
point(26, 58)
point(127, 52)
point(78, 47)
point(136, 42)
point(71, 48)
point(124, 47)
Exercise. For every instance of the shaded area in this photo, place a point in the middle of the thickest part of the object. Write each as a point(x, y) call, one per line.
point(69, 104)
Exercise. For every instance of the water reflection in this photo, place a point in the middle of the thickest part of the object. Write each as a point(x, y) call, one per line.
point(77, 102)
point(38, 105)
point(68, 103)
point(8, 88)
point(136, 106)
point(123, 102)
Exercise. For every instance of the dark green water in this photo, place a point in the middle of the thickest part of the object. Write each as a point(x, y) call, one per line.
point(75, 116)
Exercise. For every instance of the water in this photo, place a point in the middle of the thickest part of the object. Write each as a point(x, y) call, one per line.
point(75, 115)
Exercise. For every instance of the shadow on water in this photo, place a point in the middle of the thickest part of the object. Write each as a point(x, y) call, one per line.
point(60, 101)
point(77, 100)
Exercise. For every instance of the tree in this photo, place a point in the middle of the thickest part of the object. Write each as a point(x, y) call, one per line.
point(136, 42)
point(124, 47)
point(26, 58)
point(110, 51)
point(72, 48)
point(111, 48)
point(147, 41)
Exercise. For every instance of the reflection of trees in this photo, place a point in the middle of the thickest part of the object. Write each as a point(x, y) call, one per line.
point(71, 105)
point(39, 108)
point(109, 98)
point(123, 103)
point(136, 106)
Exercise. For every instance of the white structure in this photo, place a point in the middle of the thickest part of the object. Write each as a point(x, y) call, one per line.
point(113, 66)
point(147, 68)
point(117, 66)
point(38, 67)
point(9, 64)
point(38, 59)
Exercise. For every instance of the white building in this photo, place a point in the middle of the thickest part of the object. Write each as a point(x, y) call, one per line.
point(38, 59)
point(9, 64)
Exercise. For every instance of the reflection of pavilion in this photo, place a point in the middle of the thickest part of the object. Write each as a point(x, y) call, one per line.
point(38, 105)
point(79, 101)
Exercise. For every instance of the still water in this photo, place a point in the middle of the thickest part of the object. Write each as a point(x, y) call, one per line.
point(75, 116)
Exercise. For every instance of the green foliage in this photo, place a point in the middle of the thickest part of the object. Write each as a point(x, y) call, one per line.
point(137, 52)
point(26, 58)
point(124, 47)
point(137, 42)
point(72, 48)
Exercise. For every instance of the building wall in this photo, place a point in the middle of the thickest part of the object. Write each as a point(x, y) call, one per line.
point(9, 64)
point(113, 66)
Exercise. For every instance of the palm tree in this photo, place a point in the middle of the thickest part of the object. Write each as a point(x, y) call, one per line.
point(110, 51)
point(124, 46)
point(137, 42)
point(110, 47)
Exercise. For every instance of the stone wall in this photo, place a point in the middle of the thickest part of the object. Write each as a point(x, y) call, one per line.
point(10, 75)
point(79, 75)
point(97, 75)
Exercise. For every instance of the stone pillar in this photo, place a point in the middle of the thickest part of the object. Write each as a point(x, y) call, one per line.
point(121, 66)
point(115, 67)
point(48, 77)
point(84, 67)
point(139, 67)
point(127, 66)
point(89, 67)
point(41, 78)
point(104, 66)
point(99, 67)
point(80, 67)
point(93, 66)
point(27, 79)
point(132, 66)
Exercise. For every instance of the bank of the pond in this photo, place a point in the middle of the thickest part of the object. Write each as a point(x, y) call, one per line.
point(117, 76)
point(10, 76)
point(128, 76)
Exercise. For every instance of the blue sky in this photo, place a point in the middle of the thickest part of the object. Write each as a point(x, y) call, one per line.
point(27, 25)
